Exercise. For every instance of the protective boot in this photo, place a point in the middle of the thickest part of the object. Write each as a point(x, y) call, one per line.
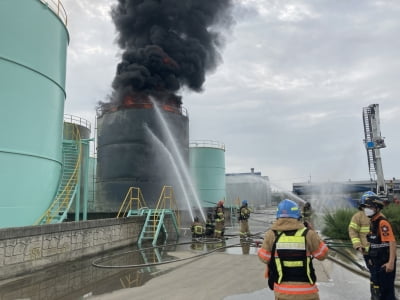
point(375, 292)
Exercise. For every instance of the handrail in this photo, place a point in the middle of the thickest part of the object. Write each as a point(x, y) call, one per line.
point(129, 198)
point(109, 107)
point(58, 8)
point(62, 200)
point(161, 204)
point(207, 144)
point(77, 120)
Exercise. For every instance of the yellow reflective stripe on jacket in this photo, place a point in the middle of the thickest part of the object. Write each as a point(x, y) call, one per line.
point(355, 226)
point(364, 229)
point(308, 264)
point(198, 229)
point(296, 241)
point(293, 263)
point(279, 269)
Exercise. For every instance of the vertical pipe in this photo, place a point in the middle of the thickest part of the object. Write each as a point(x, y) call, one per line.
point(85, 174)
point(78, 197)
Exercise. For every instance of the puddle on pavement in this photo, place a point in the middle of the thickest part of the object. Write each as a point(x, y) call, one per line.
point(80, 279)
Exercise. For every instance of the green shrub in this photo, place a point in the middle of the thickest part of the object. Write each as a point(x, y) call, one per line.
point(336, 223)
point(392, 213)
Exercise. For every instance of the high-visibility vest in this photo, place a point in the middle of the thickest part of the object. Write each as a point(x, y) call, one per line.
point(198, 229)
point(291, 258)
point(378, 251)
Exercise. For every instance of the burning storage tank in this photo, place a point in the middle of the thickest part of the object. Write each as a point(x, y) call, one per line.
point(166, 46)
point(134, 149)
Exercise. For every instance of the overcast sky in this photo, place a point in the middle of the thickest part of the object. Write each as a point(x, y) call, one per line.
point(287, 99)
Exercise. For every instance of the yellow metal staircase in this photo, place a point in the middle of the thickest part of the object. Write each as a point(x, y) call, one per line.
point(134, 204)
point(68, 187)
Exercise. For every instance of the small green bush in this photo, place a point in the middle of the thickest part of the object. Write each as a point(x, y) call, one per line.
point(392, 213)
point(336, 223)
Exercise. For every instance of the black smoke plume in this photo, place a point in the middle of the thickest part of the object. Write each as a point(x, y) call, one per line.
point(167, 44)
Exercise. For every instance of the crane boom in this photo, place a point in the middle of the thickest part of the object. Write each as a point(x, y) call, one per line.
point(373, 143)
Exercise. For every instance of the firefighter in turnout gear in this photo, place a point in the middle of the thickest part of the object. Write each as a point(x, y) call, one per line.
point(197, 228)
point(219, 220)
point(288, 250)
point(359, 228)
point(244, 215)
point(210, 226)
point(307, 214)
point(382, 251)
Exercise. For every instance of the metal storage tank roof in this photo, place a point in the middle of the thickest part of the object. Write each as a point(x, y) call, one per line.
point(34, 41)
point(207, 167)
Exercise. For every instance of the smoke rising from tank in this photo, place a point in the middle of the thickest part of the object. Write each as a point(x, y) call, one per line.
point(167, 45)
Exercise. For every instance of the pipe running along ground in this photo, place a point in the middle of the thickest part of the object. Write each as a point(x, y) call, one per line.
point(362, 271)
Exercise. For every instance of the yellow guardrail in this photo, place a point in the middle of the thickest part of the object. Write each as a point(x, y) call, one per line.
point(166, 201)
point(134, 194)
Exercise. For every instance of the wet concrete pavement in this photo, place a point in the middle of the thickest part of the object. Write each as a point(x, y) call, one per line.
point(231, 273)
point(234, 277)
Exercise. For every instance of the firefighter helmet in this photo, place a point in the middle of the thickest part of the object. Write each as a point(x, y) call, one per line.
point(374, 201)
point(366, 195)
point(288, 209)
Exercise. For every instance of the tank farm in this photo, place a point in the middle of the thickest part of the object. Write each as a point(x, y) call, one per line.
point(117, 223)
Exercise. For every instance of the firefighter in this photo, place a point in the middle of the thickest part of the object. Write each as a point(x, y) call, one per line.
point(244, 215)
point(197, 228)
point(288, 250)
point(382, 251)
point(307, 212)
point(219, 220)
point(210, 225)
point(359, 228)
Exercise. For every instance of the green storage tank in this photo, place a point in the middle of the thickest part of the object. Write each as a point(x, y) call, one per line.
point(207, 167)
point(33, 47)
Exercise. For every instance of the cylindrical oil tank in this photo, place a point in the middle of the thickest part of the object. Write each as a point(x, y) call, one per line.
point(71, 124)
point(207, 167)
point(34, 40)
point(134, 150)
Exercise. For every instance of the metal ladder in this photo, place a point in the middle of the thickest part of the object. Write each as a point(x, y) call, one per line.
point(154, 223)
point(369, 139)
point(68, 186)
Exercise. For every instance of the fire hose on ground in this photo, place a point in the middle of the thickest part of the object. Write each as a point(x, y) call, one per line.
point(97, 263)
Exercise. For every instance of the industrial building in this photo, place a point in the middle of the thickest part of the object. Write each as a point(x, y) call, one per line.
point(252, 186)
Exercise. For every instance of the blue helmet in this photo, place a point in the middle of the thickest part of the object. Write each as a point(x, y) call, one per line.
point(244, 202)
point(365, 196)
point(288, 209)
